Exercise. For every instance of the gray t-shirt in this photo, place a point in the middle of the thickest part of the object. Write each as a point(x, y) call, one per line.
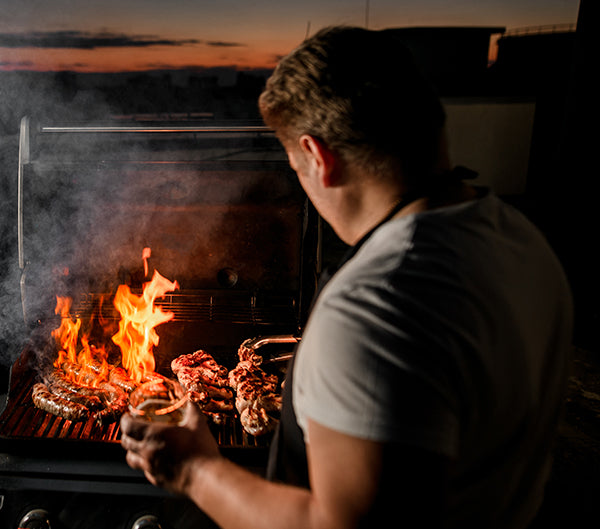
point(448, 330)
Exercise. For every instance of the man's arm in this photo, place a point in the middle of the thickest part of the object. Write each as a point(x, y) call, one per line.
point(354, 482)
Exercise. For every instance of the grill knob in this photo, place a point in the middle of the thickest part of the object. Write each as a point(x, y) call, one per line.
point(148, 521)
point(35, 519)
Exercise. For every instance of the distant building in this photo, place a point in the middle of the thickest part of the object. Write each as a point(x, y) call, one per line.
point(530, 58)
point(454, 58)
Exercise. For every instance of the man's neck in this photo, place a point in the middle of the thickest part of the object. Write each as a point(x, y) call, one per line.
point(365, 209)
point(362, 209)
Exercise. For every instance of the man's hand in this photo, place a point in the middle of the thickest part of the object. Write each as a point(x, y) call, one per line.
point(168, 454)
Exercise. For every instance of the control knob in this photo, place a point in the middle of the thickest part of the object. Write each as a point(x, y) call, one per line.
point(35, 519)
point(148, 521)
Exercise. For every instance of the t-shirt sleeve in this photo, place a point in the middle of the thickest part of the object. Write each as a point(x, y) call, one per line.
point(366, 369)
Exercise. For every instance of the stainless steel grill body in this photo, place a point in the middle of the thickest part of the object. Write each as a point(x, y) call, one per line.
point(223, 215)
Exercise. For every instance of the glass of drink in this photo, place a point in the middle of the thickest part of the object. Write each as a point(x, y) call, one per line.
point(158, 400)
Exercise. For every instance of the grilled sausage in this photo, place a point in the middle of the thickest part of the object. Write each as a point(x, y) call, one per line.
point(119, 377)
point(47, 401)
point(113, 399)
point(57, 380)
point(116, 375)
point(115, 404)
point(91, 402)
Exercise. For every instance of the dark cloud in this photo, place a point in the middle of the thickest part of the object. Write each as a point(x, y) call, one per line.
point(221, 44)
point(84, 40)
point(16, 64)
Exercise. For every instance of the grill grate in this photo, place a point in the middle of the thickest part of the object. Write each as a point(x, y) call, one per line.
point(217, 307)
point(22, 420)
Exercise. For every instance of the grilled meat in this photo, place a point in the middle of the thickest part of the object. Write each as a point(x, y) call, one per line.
point(206, 381)
point(246, 353)
point(256, 421)
point(256, 398)
point(205, 365)
point(91, 402)
point(47, 401)
point(105, 403)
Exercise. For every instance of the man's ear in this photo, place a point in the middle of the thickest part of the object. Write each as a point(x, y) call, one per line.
point(322, 158)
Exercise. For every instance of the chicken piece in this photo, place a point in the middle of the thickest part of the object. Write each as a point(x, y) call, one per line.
point(192, 382)
point(248, 395)
point(205, 365)
point(246, 353)
point(245, 371)
point(190, 360)
point(256, 421)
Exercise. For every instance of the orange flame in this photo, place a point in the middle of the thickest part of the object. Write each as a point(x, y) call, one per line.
point(92, 367)
point(136, 336)
point(146, 254)
point(67, 334)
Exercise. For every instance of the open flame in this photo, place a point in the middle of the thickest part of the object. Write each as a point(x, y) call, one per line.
point(136, 336)
point(92, 367)
point(67, 334)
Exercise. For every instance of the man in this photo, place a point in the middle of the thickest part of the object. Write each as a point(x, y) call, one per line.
point(428, 383)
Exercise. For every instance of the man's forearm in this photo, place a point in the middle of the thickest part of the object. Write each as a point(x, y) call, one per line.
point(234, 497)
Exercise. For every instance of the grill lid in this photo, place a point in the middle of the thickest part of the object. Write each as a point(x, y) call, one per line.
point(217, 205)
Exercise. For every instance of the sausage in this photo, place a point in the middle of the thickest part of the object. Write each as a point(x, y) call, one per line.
point(119, 377)
point(115, 404)
point(47, 401)
point(116, 375)
point(91, 402)
point(113, 400)
point(58, 380)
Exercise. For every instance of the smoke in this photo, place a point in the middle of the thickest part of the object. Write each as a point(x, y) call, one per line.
point(86, 224)
point(45, 97)
point(11, 324)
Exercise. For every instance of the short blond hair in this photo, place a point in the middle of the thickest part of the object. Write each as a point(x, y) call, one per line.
point(360, 92)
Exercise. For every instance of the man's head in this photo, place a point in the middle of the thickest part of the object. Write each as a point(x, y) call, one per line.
point(360, 93)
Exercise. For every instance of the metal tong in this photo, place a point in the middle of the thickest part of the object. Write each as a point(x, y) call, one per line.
point(256, 343)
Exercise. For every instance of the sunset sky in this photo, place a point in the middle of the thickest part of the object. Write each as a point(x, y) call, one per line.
point(131, 35)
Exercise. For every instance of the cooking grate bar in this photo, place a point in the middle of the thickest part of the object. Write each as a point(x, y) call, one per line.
point(189, 308)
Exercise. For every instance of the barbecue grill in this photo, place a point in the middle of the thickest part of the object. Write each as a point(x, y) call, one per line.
point(223, 215)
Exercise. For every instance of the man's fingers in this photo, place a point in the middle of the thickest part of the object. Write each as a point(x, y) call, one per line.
point(129, 443)
point(193, 416)
point(136, 461)
point(133, 428)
